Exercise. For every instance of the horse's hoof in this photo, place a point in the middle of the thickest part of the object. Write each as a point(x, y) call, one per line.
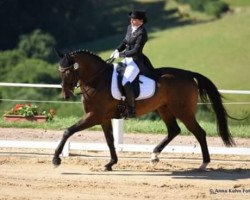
point(203, 166)
point(154, 159)
point(56, 161)
point(107, 168)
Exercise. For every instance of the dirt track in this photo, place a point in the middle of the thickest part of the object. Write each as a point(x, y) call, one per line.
point(32, 176)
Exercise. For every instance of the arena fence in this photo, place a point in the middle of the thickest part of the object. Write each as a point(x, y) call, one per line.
point(119, 147)
point(118, 134)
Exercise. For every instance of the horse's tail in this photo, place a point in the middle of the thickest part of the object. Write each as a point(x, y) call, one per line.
point(208, 90)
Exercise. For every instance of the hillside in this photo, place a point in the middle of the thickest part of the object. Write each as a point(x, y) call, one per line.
point(219, 49)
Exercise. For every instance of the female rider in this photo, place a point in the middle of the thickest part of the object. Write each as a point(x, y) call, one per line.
point(131, 50)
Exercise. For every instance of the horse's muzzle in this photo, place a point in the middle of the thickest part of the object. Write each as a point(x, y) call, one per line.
point(67, 95)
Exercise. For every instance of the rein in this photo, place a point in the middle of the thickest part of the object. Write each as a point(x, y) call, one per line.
point(75, 74)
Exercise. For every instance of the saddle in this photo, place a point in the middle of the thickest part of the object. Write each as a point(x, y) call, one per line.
point(143, 86)
point(120, 73)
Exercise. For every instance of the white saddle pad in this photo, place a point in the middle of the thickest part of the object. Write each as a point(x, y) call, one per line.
point(147, 87)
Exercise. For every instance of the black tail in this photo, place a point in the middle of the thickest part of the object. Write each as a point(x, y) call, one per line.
point(208, 90)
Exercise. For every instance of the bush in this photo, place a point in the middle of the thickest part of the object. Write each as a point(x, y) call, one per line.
point(183, 1)
point(32, 71)
point(210, 7)
point(198, 5)
point(215, 8)
point(10, 58)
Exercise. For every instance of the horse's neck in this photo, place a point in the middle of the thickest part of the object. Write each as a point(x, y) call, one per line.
point(91, 69)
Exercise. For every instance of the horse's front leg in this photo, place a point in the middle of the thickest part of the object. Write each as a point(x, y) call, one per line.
point(108, 131)
point(80, 125)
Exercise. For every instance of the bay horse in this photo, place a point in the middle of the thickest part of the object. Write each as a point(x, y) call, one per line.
point(176, 97)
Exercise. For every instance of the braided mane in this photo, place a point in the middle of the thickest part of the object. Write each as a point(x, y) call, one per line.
point(84, 51)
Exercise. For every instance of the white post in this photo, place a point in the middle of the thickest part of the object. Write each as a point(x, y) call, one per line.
point(118, 131)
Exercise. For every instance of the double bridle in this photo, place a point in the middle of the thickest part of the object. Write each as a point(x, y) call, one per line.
point(73, 69)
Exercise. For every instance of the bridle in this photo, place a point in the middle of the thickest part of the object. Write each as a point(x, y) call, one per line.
point(63, 70)
point(76, 77)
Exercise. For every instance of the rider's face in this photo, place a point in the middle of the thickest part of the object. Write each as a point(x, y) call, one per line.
point(136, 22)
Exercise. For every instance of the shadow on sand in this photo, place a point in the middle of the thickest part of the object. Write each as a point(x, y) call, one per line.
point(210, 174)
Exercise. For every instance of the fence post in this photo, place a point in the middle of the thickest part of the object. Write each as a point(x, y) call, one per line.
point(118, 131)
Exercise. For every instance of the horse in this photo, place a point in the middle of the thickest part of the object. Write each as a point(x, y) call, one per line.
point(176, 97)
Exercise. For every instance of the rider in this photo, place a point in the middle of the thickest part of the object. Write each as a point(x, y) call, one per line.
point(131, 50)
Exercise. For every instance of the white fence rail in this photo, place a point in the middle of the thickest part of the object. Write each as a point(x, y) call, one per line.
point(119, 147)
point(59, 86)
point(118, 135)
point(30, 85)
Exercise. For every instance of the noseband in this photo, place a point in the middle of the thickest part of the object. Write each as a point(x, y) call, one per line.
point(74, 72)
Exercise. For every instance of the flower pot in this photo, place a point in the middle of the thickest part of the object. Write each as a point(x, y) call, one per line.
point(19, 118)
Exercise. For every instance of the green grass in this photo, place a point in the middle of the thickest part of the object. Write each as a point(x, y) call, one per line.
point(131, 126)
point(159, 128)
point(238, 3)
point(56, 124)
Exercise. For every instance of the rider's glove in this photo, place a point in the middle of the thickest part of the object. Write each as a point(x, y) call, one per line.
point(115, 54)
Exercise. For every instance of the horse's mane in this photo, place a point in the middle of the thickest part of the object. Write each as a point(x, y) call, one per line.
point(85, 51)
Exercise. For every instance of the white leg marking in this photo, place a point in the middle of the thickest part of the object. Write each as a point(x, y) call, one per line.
point(203, 166)
point(154, 158)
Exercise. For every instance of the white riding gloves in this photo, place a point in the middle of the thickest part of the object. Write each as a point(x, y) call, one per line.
point(115, 54)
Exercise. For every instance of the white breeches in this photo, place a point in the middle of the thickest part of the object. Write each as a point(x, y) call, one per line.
point(131, 70)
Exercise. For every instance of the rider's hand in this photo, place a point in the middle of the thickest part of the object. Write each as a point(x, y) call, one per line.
point(115, 54)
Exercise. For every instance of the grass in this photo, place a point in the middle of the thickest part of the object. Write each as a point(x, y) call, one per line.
point(131, 126)
point(238, 3)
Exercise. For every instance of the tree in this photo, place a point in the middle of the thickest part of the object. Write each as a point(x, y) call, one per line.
point(37, 44)
point(8, 60)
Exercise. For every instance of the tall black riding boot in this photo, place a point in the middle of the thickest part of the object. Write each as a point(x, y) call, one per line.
point(130, 99)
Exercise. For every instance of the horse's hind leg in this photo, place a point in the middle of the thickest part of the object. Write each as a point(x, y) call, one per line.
point(194, 127)
point(173, 131)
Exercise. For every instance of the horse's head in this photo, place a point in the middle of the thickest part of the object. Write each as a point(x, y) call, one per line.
point(83, 66)
point(68, 72)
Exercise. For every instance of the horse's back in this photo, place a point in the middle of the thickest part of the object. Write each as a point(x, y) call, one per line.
point(173, 71)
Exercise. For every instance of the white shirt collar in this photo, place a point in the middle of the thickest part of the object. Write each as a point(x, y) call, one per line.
point(134, 28)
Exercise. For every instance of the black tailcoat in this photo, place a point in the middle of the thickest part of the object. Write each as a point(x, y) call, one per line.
point(132, 46)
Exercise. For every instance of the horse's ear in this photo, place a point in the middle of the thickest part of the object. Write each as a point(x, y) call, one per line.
point(58, 53)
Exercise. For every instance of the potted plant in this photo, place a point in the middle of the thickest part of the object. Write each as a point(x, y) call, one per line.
point(28, 112)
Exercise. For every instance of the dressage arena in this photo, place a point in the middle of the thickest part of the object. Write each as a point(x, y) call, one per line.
point(29, 174)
